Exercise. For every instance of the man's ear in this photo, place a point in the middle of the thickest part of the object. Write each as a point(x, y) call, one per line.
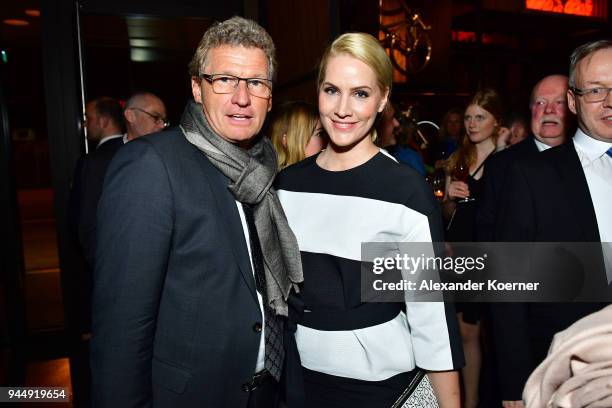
point(196, 89)
point(103, 121)
point(571, 101)
point(128, 114)
point(269, 103)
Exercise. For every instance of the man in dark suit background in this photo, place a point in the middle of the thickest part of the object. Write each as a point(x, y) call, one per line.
point(195, 259)
point(549, 122)
point(104, 128)
point(104, 125)
point(105, 133)
point(144, 113)
point(561, 195)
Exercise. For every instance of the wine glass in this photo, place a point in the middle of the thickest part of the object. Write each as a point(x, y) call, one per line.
point(437, 182)
point(461, 172)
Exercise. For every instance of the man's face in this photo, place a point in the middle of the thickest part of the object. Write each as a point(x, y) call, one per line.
point(148, 116)
point(453, 125)
point(237, 117)
point(389, 124)
point(549, 110)
point(94, 130)
point(594, 118)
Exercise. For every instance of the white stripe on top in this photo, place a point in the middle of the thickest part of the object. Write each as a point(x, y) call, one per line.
point(337, 225)
point(319, 220)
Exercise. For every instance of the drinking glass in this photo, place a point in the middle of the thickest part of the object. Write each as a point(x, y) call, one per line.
point(462, 173)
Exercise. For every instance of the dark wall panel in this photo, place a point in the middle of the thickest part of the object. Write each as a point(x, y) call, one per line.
point(301, 31)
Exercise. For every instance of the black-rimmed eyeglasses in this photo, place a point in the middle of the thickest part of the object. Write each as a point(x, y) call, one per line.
point(157, 118)
point(592, 94)
point(226, 84)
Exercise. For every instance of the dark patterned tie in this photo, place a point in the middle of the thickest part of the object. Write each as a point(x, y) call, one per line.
point(274, 351)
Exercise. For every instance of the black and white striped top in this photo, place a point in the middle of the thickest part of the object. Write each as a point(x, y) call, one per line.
point(331, 214)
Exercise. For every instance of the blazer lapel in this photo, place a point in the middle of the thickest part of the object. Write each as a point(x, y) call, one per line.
point(231, 219)
point(531, 146)
point(577, 191)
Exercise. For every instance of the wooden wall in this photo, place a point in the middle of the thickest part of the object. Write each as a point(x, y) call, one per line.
point(301, 30)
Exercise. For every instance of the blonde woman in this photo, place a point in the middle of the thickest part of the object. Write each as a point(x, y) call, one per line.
point(357, 354)
point(296, 133)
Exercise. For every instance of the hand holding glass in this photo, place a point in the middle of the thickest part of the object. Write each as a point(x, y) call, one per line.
point(461, 172)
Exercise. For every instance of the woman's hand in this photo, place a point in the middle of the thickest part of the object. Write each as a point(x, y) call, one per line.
point(458, 190)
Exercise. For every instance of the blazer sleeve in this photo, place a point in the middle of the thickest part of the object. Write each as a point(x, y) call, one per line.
point(134, 234)
point(509, 320)
point(488, 203)
point(517, 218)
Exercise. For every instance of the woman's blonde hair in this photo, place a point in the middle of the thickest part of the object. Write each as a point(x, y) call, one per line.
point(489, 100)
point(295, 122)
point(366, 49)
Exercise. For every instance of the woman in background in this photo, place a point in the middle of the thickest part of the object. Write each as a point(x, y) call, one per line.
point(296, 133)
point(465, 167)
point(357, 354)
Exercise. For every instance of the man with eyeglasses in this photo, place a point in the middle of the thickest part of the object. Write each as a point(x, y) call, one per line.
point(144, 114)
point(563, 195)
point(195, 257)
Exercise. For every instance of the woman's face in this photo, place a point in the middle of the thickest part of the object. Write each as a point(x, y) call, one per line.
point(317, 141)
point(349, 100)
point(479, 123)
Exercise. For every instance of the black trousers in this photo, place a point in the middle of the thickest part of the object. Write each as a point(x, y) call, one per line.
point(267, 395)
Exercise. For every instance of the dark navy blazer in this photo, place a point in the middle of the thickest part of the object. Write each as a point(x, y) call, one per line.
point(175, 312)
point(545, 199)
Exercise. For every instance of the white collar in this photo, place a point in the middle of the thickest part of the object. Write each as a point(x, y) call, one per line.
point(107, 138)
point(592, 148)
point(541, 146)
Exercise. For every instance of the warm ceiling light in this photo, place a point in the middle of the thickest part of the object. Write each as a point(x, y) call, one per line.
point(33, 12)
point(15, 22)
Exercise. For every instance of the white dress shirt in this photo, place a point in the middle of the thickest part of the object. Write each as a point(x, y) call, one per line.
point(541, 146)
point(597, 166)
point(107, 138)
point(262, 343)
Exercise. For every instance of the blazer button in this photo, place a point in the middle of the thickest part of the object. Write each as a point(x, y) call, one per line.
point(257, 327)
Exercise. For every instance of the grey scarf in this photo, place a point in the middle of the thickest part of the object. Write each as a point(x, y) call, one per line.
point(251, 173)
